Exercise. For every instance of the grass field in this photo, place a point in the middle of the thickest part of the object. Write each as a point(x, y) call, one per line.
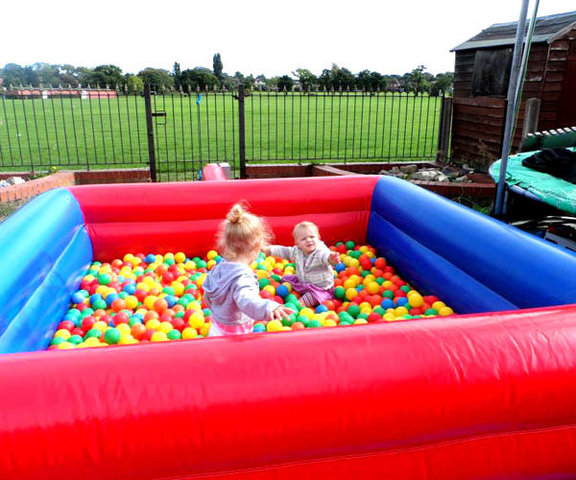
point(190, 131)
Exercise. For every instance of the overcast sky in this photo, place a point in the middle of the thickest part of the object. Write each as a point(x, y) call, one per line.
point(254, 37)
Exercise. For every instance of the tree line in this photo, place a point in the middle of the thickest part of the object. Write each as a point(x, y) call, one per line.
point(334, 78)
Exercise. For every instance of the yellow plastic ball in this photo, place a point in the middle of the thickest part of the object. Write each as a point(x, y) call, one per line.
point(212, 254)
point(351, 293)
point(100, 325)
point(189, 333)
point(211, 264)
point(373, 288)
point(415, 299)
point(62, 333)
point(131, 302)
point(180, 257)
point(360, 321)
point(165, 327)
point(194, 305)
point(400, 311)
point(270, 289)
point(127, 339)
point(274, 326)
point(205, 329)
point(178, 288)
point(65, 346)
point(91, 341)
point(349, 283)
point(123, 328)
point(438, 305)
point(307, 312)
point(152, 324)
point(159, 337)
point(329, 323)
point(196, 320)
point(445, 311)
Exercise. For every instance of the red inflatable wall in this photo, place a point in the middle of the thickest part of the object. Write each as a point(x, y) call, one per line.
point(437, 399)
point(475, 397)
point(172, 217)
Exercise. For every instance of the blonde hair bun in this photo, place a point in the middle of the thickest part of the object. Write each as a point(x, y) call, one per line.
point(235, 214)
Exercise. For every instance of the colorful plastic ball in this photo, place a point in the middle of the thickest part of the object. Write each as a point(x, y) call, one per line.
point(189, 333)
point(174, 335)
point(282, 291)
point(159, 337)
point(259, 328)
point(354, 310)
point(351, 293)
point(79, 296)
point(274, 326)
point(321, 309)
point(112, 336)
point(401, 301)
point(314, 324)
point(388, 303)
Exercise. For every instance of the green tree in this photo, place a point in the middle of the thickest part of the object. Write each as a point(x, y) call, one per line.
point(69, 75)
point(133, 84)
point(13, 75)
point(158, 78)
point(177, 73)
point(308, 81)
point(217, 66)
point(443, 83)
point(198, 77)
point(105, 76)
point(417, 80)
point(337, 78)
point(285, 83)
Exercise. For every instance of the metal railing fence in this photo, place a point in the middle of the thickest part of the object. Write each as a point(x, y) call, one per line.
point(176, 133)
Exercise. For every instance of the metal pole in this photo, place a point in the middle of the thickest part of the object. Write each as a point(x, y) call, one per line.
point(241, 131)
point(510, 108)
point(150, 132)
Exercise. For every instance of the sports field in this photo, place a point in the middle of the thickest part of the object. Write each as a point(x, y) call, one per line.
point(100, 133)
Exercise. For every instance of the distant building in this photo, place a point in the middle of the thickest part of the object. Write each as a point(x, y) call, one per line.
point(481, 77)
point(46, 93)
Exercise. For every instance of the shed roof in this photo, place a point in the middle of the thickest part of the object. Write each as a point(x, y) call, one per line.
point(547, 29)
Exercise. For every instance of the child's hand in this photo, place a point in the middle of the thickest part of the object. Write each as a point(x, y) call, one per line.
point(280, 313)
point(334, 258)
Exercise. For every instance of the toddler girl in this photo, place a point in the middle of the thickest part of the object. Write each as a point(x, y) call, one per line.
point(231, 288)
point(314, 278)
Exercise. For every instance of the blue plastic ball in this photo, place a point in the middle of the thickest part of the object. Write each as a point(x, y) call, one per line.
point(401, 301)
point(321, 308)
point(282, 290)
point(111, 297)
point(150, 258)
point(339, 267)
point(387, 303)
point(130, 288)
point(259, 328)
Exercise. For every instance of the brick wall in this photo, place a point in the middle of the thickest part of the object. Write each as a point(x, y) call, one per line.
point(24, 191)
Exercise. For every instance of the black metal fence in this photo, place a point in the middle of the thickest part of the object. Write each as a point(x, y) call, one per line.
point(176, 133)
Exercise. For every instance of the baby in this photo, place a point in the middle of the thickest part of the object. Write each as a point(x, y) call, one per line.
point(231, 288)
point(314, 279)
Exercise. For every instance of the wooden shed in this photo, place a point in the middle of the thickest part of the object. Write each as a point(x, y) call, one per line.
point(481, 77)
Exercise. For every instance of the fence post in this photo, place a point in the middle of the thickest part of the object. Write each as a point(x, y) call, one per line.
point(150, 133)
point(241, 131)
point(532, 112)
point(444, 130)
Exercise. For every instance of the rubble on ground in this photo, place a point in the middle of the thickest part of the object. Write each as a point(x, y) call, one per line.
point(431, 174)
point(11, 181)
